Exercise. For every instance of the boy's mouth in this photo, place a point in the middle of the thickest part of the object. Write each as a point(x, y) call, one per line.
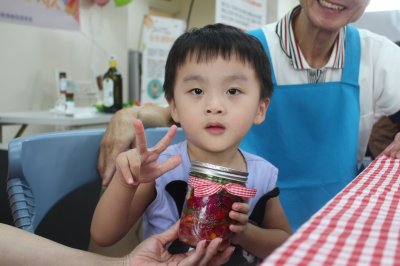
point(215, 128)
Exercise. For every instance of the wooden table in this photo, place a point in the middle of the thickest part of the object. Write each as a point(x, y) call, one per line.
point(359, 226)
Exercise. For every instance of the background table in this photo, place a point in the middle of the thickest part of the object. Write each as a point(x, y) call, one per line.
point(360, 226)
point(82, 117)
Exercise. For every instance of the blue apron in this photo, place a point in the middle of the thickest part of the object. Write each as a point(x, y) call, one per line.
point(311, 134)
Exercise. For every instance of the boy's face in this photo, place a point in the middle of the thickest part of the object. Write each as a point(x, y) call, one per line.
point(217, 102)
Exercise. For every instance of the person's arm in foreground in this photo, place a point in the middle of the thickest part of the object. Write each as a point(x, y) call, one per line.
point(18, 247)
point(120, 135)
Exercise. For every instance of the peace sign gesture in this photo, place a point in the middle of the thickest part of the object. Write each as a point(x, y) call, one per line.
point(139, 165)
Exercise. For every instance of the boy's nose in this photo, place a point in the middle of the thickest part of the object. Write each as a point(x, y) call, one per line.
point(214, 106)
point(213, 111)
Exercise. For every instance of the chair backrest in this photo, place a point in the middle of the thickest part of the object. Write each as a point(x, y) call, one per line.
point(53, 183)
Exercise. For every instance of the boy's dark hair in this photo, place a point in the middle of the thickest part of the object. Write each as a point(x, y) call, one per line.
point(211, 41)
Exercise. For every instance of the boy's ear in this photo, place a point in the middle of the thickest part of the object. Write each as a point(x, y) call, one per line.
point(174, 113)
point(261, 112)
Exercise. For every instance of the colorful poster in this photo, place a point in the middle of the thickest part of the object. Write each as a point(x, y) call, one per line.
point(159, 33)
point(60, 14)
point(244, 14)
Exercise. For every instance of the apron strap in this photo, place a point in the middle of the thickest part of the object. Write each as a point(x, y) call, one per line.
point(352, 56)
point(259, 34)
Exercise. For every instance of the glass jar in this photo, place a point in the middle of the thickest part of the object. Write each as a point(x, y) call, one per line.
point(211, 192)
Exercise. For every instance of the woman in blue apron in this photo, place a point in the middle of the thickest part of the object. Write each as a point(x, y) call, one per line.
point(311, 135)
point(318, 122)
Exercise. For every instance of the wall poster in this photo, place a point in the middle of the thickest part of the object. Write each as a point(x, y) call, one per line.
point(244, 14)
point(159, 33)
point(60, 14)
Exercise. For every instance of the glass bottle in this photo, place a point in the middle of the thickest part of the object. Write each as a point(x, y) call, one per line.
point(63, 85)
point(206, 216)
point(60, 105)
point(70, 104)
point(112, 88)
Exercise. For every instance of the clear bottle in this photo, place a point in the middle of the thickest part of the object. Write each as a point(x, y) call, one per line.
point(60, 105)
point(112, 88)
point(70, 104)
point(207, 216)
point(63, 84)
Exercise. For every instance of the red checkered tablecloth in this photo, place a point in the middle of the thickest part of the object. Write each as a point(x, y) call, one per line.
point(359, 226)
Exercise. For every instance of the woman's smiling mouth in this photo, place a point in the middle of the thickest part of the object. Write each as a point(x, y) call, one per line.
point(330, 5)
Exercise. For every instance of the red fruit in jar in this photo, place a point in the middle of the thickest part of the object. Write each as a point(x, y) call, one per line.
point(209, 214)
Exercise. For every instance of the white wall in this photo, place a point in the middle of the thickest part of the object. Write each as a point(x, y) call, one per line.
point(384, 22)
point(30, 56)
point(136, 11)
point(276, 9)
point(203, 12)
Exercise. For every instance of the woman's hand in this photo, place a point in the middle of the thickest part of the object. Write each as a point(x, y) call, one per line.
point(153, 251)
point(119, 136)
point(393, 150)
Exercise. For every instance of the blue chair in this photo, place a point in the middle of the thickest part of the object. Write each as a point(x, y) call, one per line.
point(53, 183)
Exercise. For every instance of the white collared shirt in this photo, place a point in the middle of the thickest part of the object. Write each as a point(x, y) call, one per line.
point(378, 78)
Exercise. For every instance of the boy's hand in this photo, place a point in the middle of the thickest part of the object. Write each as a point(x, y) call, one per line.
point(140, 165)
point(239, 214)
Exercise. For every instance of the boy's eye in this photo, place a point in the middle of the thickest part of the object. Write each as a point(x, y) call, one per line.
point(197, 91)
point(233, 91)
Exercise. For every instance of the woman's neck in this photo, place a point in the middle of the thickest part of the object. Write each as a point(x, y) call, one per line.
point(315, 44)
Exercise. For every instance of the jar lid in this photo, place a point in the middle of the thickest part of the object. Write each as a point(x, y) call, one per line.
point(218, 171)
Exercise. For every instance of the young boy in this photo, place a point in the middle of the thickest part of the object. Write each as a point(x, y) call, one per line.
point(218, 84)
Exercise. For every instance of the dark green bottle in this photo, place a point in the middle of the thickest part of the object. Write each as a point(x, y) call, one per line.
point(112, 88)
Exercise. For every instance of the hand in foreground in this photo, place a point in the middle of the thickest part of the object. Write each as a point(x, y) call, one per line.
point(153, 251)
point(239, 214)
point(140, 165)
point(118, 137)
point(393, 150)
